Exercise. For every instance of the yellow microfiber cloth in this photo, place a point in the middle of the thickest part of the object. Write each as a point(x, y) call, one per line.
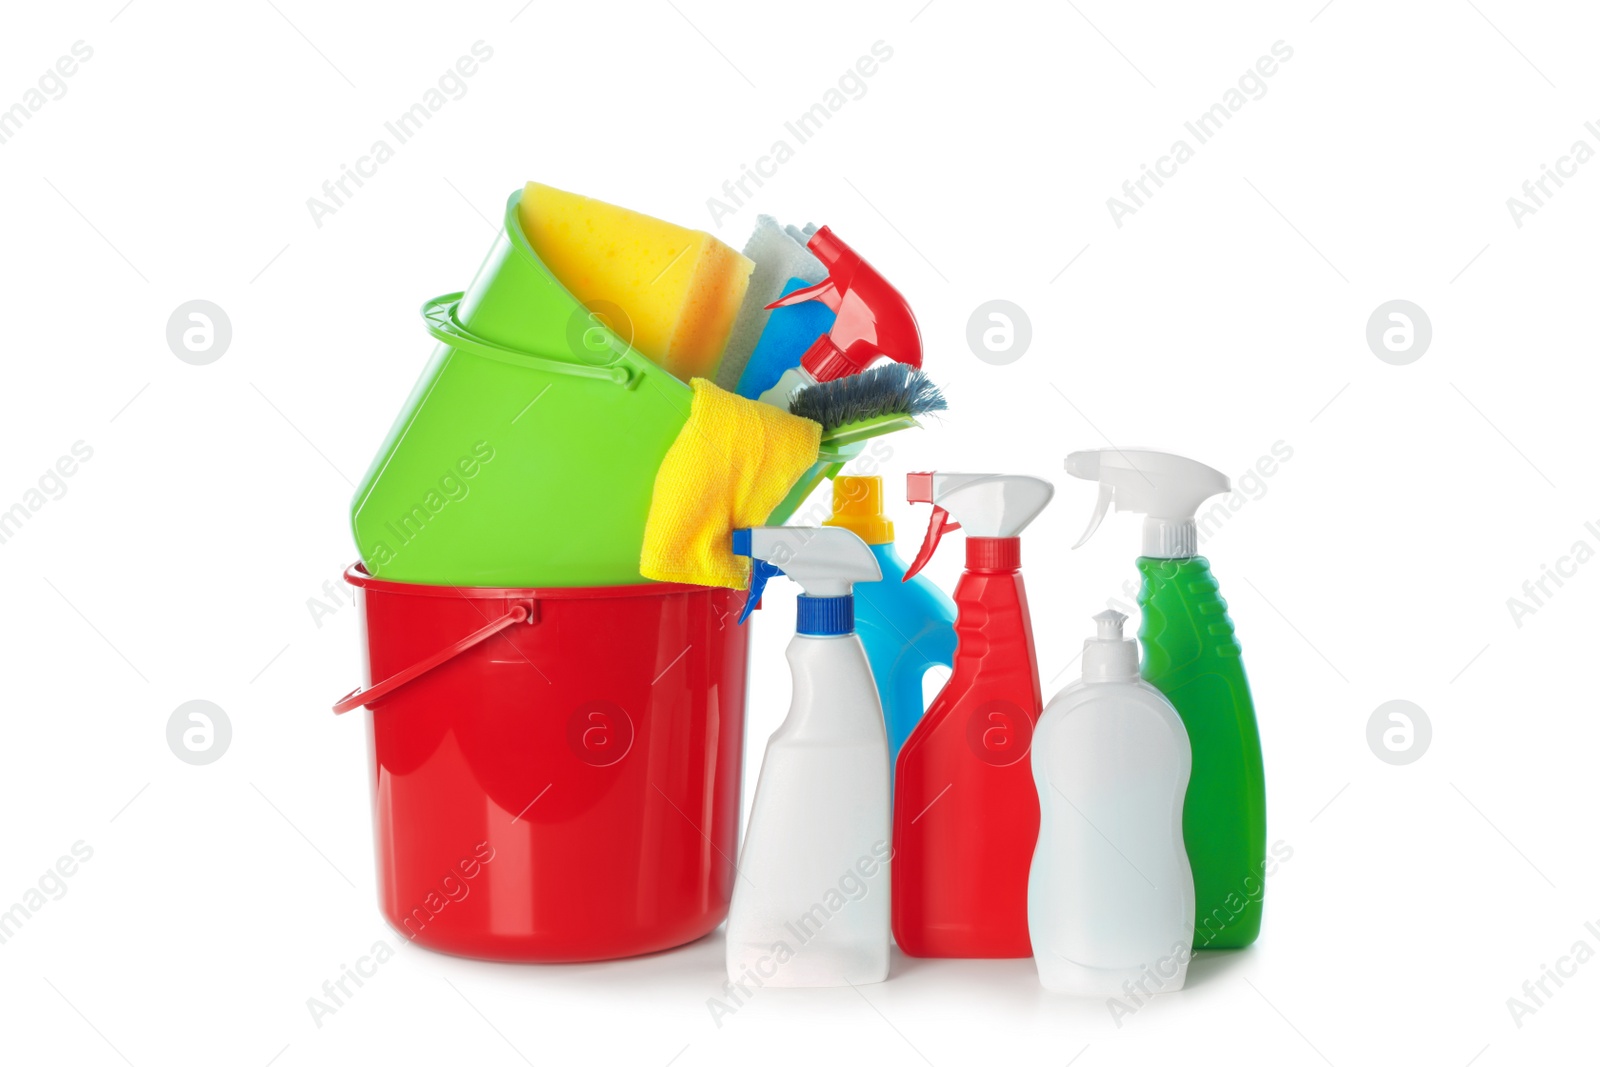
point(733, 462)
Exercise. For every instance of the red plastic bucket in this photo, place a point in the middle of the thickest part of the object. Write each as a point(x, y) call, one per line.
point(555, 771)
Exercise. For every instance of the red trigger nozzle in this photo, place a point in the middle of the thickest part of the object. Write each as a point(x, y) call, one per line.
point(872, 318)
point(938, 526)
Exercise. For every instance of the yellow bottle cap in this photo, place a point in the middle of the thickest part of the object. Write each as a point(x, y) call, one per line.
point(858, 507)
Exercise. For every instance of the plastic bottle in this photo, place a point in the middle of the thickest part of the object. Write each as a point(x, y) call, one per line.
point(811, 901)
point(906, 626)
point(1192, 656)
point(1110, 894)
point(966, 814)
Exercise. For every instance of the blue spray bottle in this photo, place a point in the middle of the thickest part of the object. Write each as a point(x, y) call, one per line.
point(907, 627)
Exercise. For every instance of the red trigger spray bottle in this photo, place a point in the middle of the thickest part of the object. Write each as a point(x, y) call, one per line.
point(966, 809)
point(872, 320)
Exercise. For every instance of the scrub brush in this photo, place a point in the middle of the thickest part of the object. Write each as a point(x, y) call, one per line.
point(852, 410)
point(862, 406)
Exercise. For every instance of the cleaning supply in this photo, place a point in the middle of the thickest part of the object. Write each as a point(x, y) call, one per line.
point(873, 321)
point(555, 773)
point(736, 457)
point(1110, 894)
point(853, 410)
point(862, 406)
point(790, 330)
point(966, 813)
point(811, 906)
point(731, 466)
point(678, 290)
point(907, 627)
point(1193, 657)
point(780, 257)
point(490, 471)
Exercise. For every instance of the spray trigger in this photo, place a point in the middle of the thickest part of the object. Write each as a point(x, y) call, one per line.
point(760, 572)
point(824, 292)
point(872, 319)
point(1101, 506)
point(938, 526)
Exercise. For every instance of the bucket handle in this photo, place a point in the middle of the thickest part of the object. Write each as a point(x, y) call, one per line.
point(357, 696)
point(439, 314)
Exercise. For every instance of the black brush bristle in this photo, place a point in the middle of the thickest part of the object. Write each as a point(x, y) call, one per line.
point(892, 389)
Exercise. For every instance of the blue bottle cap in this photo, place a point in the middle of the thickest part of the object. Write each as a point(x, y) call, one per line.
point(825, 616)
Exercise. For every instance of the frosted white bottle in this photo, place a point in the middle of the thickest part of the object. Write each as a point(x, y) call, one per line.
point(1110, 893)
point(811, 897)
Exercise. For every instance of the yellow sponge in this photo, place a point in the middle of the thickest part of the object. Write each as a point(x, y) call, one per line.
point(680, 289)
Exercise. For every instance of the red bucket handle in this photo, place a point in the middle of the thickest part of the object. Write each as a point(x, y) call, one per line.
point(357, 696)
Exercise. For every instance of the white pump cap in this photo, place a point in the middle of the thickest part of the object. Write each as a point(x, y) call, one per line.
point(825, 560)
point(1108, 656)
point(1165, 488)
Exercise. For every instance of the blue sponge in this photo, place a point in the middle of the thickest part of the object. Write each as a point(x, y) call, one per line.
point(789, 332)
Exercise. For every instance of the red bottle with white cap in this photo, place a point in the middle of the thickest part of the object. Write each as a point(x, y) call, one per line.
point(966, 810)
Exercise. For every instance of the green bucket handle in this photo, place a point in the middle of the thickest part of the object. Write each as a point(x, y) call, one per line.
point(440, 316)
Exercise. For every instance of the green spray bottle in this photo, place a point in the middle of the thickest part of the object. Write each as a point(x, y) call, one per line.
point(1193, 658)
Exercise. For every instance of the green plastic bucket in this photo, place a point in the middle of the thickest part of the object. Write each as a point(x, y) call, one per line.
point(527, 452)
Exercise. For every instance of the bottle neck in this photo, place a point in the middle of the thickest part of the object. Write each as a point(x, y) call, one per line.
point(825, 616)
point(826, 361)
point(890, 562)
point(1170, 538)
point(994, 555)
point(1110, 661)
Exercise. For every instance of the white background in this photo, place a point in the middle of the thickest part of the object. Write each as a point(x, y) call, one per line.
point(1226, 315)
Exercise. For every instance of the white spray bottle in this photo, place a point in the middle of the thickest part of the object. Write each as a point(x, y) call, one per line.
point(811, 900)
point(1110, 893)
